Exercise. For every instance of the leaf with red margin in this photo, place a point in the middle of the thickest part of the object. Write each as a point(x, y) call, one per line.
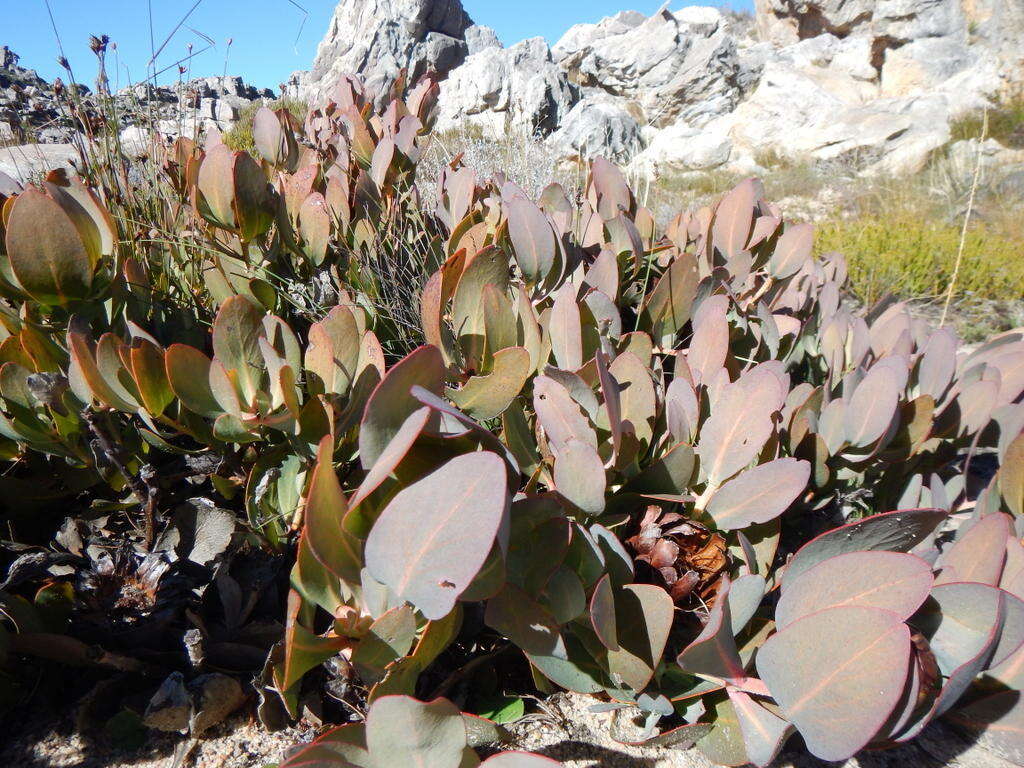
point(713, 653)
point(391, 402)
point(894, 581)
point(898, 531)
point(602, 614)
point(330, 543)
point(644, 615)
point(763, 733)
point(837, 675)
point(978, 555)
point(759, 494)
point(434, 536)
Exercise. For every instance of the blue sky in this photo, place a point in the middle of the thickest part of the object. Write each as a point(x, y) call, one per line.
point(270, 38)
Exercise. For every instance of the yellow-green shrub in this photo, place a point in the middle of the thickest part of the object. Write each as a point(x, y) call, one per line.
point(915, 258)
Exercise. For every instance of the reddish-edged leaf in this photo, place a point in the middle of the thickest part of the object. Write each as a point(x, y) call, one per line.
point(1011, 475)
point(759, 494)
point(978, 555)
point(394, 453)
point(334, 547)
point(713, 652)
point(391, 402)
point(524, 621)
point(938, 363)
point(579, 476)
point(897, 531)
point(670, 303)
point(533, 240)
point(792, 251)
point(559, 414)
point(403, 731)
point(734, 218)
point(837, 675)
point(891, 580)
point(763, 732)
point(47, 252)
point(871, 407)
point(486, 397)
point(434, 536)
point(644, 615)
point(564, 327)
point(710, 343)
point(602, 613)
point(738, 427)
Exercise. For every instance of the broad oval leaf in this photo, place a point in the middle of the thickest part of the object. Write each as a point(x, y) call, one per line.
point(891, 580)
point(46, 250)
point(871, 407)
point(392, 402)
point(978, 555)
point(602, 614)
point(792, 250)
point(579, 476)
point(434, 536)
point(837, 675)
point(403, 731)
point(738, 427)
point(759, 494)
point(898, 531)
point(533, 240)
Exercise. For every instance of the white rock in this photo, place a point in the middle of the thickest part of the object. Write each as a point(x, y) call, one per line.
point(675, 66)
point(27, 162)
point(680, 146)
point(580, 36)
point(479, 37)
point(378, 38)
point(598, 126)
point(498, 89)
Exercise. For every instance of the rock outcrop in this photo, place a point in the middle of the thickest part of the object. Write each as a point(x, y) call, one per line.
point(871, 83)
point(500, 89)
point(31, 109)
point(377, 39)
point(875, 83)
point(673, 65)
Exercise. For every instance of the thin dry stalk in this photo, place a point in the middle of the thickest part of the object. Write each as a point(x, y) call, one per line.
point(967, 221)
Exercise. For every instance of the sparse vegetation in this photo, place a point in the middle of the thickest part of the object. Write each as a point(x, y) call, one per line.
point(1005, 123)
point(239, 138)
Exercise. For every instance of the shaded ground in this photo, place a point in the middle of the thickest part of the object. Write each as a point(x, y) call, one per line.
point(565, 730)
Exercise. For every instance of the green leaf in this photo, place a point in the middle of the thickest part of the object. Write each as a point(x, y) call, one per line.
point(434, 536)
point(391, 402)
point(837, 675)
point(48, 255)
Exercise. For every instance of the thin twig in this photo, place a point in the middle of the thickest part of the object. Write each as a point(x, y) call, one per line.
point(967, 221)
point(139, 484)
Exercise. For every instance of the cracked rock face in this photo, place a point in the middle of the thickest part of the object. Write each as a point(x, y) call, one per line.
point(497, 89)
point(376, 39)
point(681, 65)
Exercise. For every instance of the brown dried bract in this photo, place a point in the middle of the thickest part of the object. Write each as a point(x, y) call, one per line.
point(682, 555)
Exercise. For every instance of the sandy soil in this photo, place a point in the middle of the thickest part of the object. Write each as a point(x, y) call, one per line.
point(565, 730)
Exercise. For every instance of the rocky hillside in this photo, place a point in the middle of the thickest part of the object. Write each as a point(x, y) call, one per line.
point(876, 82)
point(37, 129)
